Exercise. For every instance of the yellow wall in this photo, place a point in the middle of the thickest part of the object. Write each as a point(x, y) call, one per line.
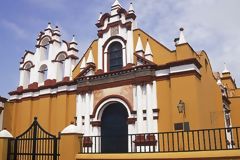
point(235, 111)
point(94, 47)
point(161, 54)
point(202, 97)
point(54, 113)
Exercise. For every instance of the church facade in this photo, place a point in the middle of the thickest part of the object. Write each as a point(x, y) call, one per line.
point(125, 83)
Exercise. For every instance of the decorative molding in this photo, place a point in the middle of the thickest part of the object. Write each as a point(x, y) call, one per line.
point(96, 123)
point(51, 88)
point(131, 120)
point(109, 97)
point(127, 25)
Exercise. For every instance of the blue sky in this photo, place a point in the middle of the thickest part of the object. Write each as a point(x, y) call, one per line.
point(210, 25)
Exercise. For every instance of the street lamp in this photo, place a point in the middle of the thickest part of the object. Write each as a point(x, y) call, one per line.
point(181, 110)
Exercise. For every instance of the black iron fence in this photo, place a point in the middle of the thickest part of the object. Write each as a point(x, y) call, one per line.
point(182, 141)
point(34, 144)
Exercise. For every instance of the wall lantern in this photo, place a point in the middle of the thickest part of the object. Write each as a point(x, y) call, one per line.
point(181, 107)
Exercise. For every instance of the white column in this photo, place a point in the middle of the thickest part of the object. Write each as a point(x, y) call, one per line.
point(124, 57)
point(1, 119)
point(21, 80)
point(79, 111)
point(90, 111)
point(154, 105)
point(130, 47)
point(105, 62)
point(139, 110)
point(67, 68)
point(100, 54)
point(50, 52)
point(87, 117)
point(149, 109)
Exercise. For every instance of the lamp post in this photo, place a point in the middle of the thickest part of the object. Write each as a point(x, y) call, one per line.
point(181, 110)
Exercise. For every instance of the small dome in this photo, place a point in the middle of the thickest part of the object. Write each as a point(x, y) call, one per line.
point(71, 129)
point(5, 134)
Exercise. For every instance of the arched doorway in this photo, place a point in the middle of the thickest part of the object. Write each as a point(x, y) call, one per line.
point(114, 129)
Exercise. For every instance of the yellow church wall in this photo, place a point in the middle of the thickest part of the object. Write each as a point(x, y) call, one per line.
point(184, 51)
point(94, 47)
point(228, 82)
point(161, 54)
point(235, 111)
point(22, 117)
point(211, 102)
point(202, 97)
point(164, 100)
point(54, 113)
point(9, 115)
point(186, 89)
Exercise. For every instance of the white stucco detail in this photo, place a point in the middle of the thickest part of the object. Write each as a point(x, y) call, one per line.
point(140, 127)
point(1, 117)
point(177, 69)
point(45, 54)
point(123, 32)
point(109, 101)
point(5, 134)
point(71, 129)
point(45, 91)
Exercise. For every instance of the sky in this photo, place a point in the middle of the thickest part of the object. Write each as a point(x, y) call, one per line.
point(210, 25)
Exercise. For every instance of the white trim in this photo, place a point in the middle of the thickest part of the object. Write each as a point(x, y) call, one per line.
point(45, 91)
point(177, 69)
point(140, 128)
point(114, 40)
point(183, 68)
point(105, 104)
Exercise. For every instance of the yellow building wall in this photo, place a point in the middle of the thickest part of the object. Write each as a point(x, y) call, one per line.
point(54, 113)
point(235, 111)
point(202, 97)
point(211, 103)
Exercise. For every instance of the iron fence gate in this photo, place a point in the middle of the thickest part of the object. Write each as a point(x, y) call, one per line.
point(34, 144)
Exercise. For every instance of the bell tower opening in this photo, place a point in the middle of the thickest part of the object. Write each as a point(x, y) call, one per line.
point(114, 129)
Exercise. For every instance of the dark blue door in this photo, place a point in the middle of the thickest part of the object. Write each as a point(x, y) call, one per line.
point(114, 129)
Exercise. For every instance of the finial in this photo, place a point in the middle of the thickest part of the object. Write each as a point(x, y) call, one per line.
point(219, 82)
point(139, 46)
point(225, 69)
point(100, 16)
point(148, 52)
point(182, 39)
point(49, 25)
point(73, 39)
point(131, 9)
point(90, 58)
point(116, 5)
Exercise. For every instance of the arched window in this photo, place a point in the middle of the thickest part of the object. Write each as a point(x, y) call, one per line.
point(115, 56)
point(26, 73)
point(60, 59)
point(45, 45)
point(42, 74)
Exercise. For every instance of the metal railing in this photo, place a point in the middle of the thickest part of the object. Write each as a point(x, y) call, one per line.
point(181, 141)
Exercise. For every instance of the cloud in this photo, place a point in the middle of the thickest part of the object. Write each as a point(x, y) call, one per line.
point(17, 30)
point(211, 25)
